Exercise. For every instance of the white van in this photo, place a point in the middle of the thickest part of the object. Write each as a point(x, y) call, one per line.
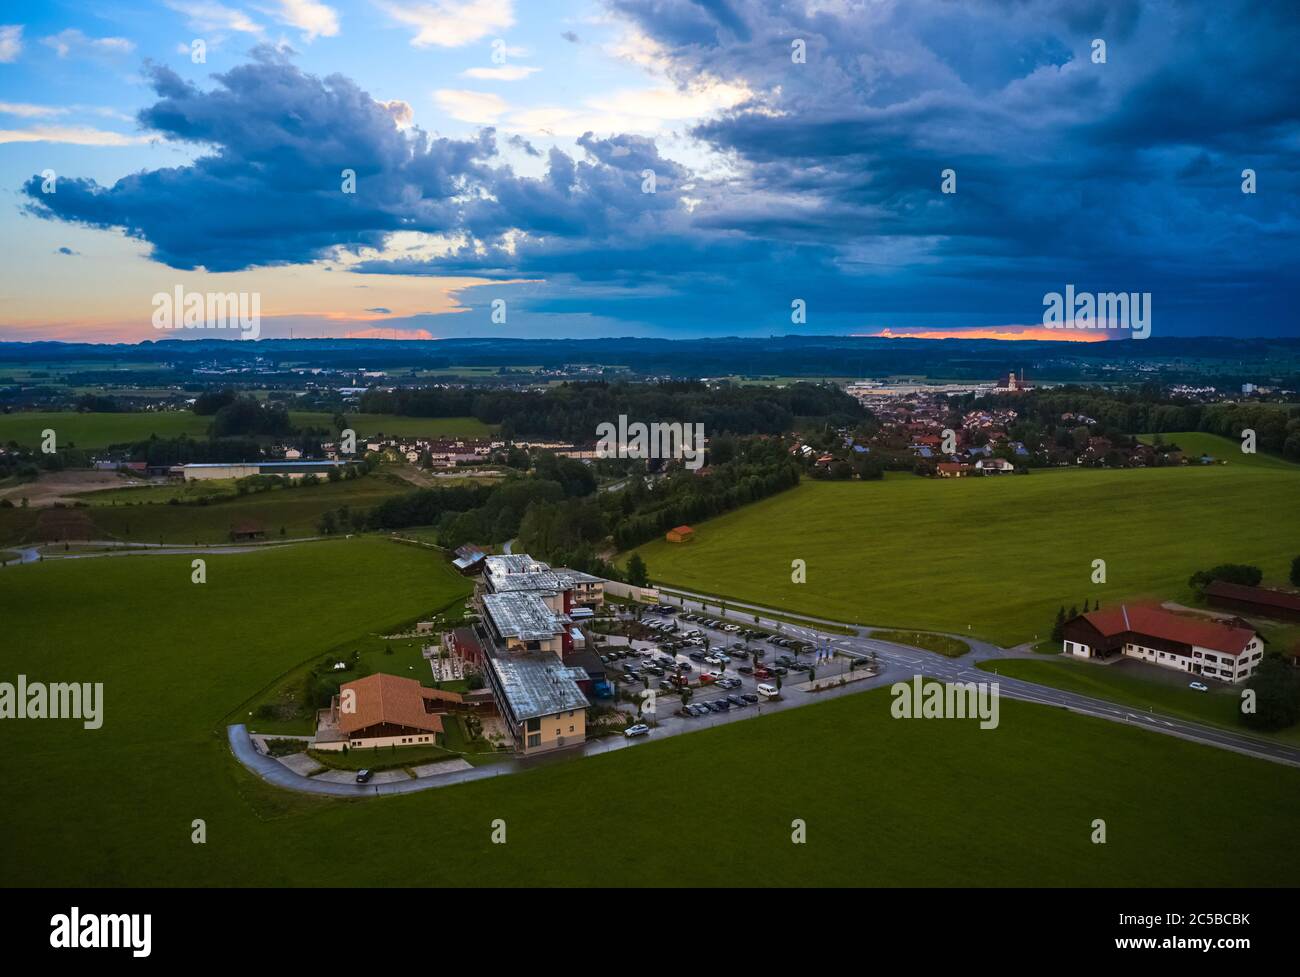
point(768, 691)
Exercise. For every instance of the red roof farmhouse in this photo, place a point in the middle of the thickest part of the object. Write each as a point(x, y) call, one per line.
point(1197, 645)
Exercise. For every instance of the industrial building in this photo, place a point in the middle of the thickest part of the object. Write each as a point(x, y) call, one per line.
point(285, 469)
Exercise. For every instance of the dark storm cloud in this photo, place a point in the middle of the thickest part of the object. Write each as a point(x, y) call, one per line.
point(1123, 175)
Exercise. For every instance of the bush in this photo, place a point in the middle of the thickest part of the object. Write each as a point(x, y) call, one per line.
point(1277, 692)
point(1238, 573)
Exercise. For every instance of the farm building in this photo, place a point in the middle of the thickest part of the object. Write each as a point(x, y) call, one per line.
point(680, 534)
point(247, 529)
point(1278, 604)
point(1196, 645)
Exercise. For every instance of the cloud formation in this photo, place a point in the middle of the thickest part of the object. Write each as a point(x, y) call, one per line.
point(825, 172)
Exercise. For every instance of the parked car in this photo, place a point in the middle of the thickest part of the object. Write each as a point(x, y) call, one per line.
point(768, 691)
point(737, 701)
point(1199, 686)
point(749, 697)
point(707, 678)
point(363, 776)
point(640, 729)
point(744, 670)
point(762, 673)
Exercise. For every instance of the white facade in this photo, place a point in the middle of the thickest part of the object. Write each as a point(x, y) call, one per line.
point(1201, 661)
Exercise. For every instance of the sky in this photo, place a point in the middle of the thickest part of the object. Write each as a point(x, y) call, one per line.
point(674, 168)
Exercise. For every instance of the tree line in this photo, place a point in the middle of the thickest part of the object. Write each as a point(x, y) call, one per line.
point(572, 412)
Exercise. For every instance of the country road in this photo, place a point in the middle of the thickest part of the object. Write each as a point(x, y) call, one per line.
point(917, 661)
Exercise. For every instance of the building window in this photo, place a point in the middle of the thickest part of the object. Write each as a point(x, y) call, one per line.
point(534, 725)
point(570, 729)
point(534, 739)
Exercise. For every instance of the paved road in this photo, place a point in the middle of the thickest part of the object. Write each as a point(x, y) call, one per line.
point(32, 554)
point(275, 772)
point(913, 661)
point(896, 663)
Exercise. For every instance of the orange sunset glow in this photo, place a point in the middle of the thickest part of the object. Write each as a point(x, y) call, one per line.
point(1038, 333)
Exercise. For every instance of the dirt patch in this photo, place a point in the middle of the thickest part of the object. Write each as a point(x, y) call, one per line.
point(63, 487)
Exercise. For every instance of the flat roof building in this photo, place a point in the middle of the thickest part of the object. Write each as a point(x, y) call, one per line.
point(525, 620)
point(537, 693)
point(288, 469)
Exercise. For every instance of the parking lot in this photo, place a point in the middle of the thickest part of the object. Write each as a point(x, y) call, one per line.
point(715, 658)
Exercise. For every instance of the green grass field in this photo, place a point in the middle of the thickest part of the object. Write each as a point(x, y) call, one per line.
point(298, 510)
point(895, 803)
point(940, 644)
point(1195, 444)
point(75, 430)
point(145, 493)
point(1219, 706)
point(990, 557)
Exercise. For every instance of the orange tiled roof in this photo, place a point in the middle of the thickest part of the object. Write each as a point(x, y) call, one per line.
point(389, 699)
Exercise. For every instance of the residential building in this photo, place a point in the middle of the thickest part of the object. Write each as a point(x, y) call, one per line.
point(585, 589)
point(1193, 644)
point(534, 658)
point(525, 621)
point(538, 695)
